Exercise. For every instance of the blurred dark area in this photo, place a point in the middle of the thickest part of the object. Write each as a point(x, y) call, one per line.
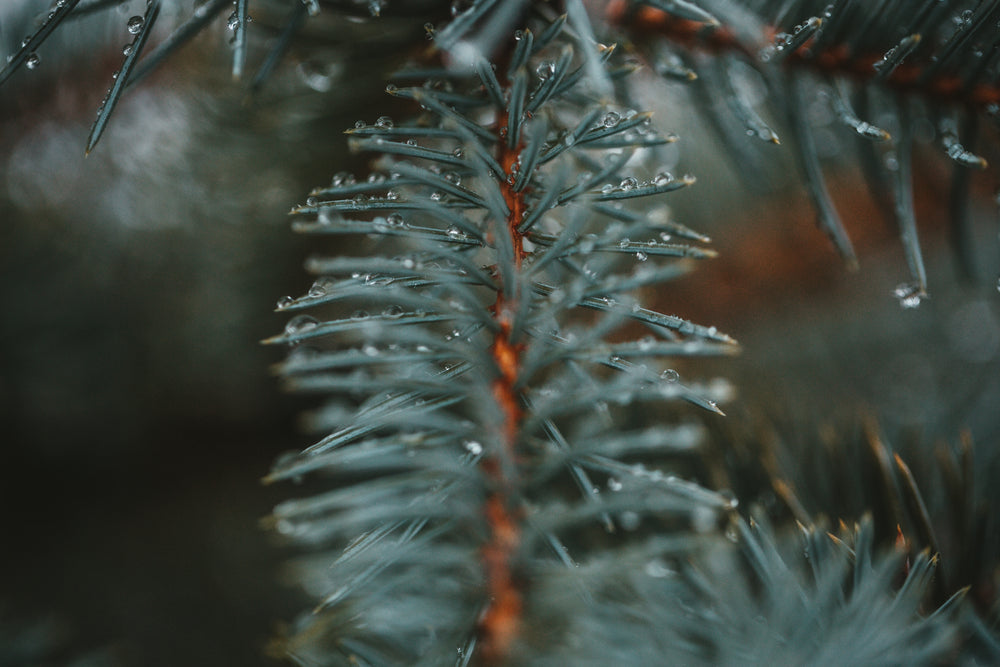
point(138, 410)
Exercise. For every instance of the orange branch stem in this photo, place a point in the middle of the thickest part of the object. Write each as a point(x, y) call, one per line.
point(500, 623)
point(908, 77)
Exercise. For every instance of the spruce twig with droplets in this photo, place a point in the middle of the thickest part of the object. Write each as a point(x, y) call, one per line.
point(502, 250)
point(933, 56)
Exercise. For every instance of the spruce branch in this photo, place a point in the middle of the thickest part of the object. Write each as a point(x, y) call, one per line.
point(940, 53)
point(26, 54)
point(913, 497)
point(506, 255)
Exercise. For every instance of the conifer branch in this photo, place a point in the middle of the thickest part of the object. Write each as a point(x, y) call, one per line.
point(514, 380)
point(799, 45)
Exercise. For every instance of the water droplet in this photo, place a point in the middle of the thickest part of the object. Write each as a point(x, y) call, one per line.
point(32, 61)
point(376, 280)
point(587, 245)
point(359, 315)
point(641, 256)
point(730, 498)
point(312, 6)
point(611, 119)
point(614, 484)
point(657, 569)
point(285, 302)
point(360, 124)
point(320, 288)
point(127, 50)
point(545, 70)
point(411, 142)
point(670, 375)
point(518, 35)
point(624, 243)
point(384, 122)
point(473, 447)
point(311, 201)
point(392, 312)
point(300, 324)
point(391, 88)
point(663, 178)
point(910, 295)
point(395, 220)
point(628, 183)
point(135, 24)
point(232, 22)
